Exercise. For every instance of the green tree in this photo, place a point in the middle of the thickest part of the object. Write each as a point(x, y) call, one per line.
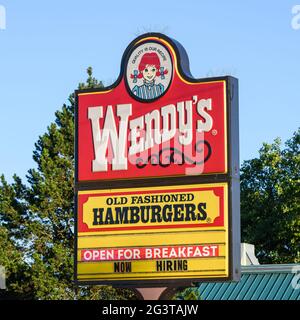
point(187, 294)
point(270, 201)
point(13, 239)
point(37, 219)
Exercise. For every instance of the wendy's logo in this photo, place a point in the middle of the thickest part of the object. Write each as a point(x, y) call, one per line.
point(149, 71)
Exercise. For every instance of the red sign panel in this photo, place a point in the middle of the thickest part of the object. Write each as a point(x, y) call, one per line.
point(155, 122)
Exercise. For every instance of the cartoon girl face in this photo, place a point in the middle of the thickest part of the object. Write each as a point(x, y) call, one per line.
point(149, 73)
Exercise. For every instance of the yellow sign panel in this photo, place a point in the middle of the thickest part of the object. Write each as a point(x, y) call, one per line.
point(153, 233)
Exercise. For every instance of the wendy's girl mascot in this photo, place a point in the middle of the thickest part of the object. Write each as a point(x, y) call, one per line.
point(149, 70)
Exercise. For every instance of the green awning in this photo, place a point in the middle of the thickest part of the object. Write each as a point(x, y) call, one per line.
point(258, 282)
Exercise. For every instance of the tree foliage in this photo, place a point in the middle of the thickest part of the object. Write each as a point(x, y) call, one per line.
point(37, 224)
point(270, 201)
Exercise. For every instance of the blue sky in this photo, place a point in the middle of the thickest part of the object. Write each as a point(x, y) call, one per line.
point(47, 46)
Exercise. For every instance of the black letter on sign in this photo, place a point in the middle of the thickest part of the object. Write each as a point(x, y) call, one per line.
point(202, 214)
point(98, 218)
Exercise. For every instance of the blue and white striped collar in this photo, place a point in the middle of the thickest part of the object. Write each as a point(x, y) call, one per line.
point(149, 84)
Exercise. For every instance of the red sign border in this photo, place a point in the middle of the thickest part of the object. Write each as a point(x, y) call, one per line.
point(218, 222)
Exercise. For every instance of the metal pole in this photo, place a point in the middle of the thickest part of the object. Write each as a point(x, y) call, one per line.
point(160, 293)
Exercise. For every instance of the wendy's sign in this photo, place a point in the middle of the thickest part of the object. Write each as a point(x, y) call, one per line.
point(157, 173)
point(155, 121)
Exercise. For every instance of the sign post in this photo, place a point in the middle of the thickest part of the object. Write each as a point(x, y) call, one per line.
point(157, 173)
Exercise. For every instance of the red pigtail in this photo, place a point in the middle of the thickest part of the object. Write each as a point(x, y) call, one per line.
point(158, 73)
point(140, 75)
